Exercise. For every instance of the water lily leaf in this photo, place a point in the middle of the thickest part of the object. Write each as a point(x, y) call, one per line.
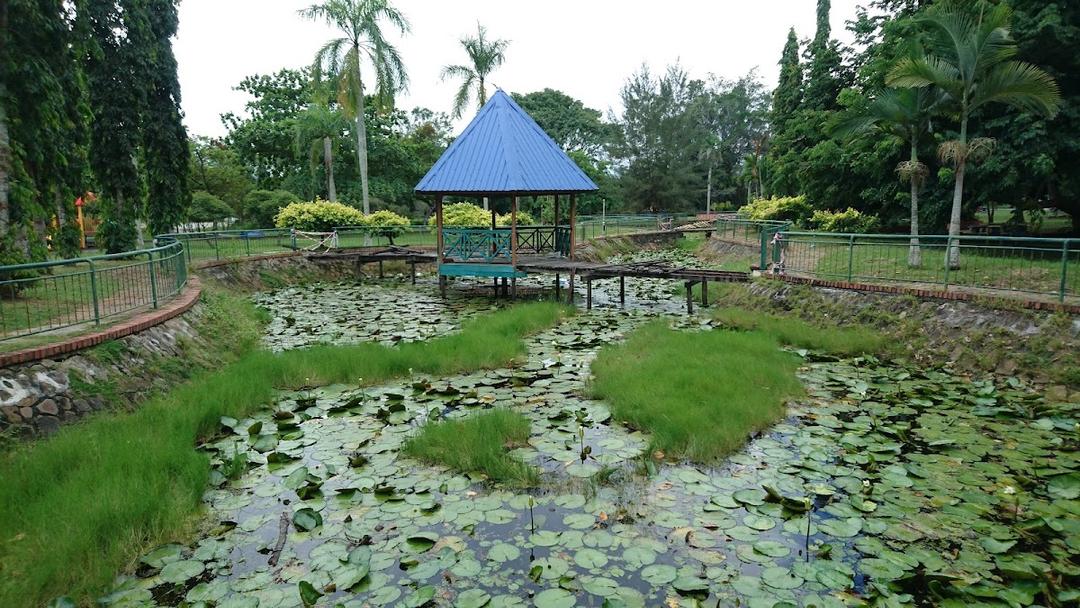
point(659, 574)
point(181, 571)
point(554, 598)
point(842, 527)
point(690, 585)
point(422, 541)
point(308, 594)
point(473, 598)
point(503, 552)
point(420, 597)
point(163, 555)
point(780, 578)
point(590, 559)
point(1065, 487)
point(307, 519)
point(996, 546)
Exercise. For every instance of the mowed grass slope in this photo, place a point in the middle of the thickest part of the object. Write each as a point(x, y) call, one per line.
point(698, 393)
point(82, 505)
point(792, 331)
point(477, 443)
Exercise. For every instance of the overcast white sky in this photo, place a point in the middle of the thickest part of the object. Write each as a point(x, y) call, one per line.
point(586, 48)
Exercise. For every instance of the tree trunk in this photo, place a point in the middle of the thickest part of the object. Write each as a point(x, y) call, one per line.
point(914, 253)
point(708, 194)
point(328, 162)
point(361, 134)
point(953, 256)
point(482, 97)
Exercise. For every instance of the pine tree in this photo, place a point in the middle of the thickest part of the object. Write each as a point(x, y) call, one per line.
point(788, 94)
point(165, 145)
point(823, 81)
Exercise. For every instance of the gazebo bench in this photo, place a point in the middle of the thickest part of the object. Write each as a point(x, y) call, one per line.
point(481, 270)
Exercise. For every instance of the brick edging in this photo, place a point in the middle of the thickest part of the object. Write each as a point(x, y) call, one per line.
point(136, 324)
point(936, 294)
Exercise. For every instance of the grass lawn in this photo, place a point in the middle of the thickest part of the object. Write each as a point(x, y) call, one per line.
point(699, 394)
point(80, 505)
point(479, 442)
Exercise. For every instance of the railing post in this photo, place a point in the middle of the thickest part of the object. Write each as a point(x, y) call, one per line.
point(1064, 267)
point(247, 245)
point(850, 257)
point(948, 260)
point(94, 292)
point(153, 279)
point(217, 248)
point(764, 250)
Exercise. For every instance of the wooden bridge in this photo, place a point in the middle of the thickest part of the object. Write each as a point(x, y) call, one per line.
point(551, 264)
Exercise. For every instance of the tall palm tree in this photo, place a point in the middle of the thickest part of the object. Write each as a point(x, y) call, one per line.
point(970, 60)
point(485, 55)
point(904, 114)
point(316, 128)
point(342, 58)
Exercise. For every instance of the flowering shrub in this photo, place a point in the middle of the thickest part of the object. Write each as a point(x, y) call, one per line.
point(524, 219)
point(849, 220)
point(318, 215)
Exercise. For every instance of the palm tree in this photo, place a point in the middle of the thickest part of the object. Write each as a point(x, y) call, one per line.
point(485, 55)
point(971, 61)
point(317, 127)
point(341, 59)
point(904, 114)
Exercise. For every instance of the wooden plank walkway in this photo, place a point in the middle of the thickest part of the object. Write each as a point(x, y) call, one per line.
point(557, 265)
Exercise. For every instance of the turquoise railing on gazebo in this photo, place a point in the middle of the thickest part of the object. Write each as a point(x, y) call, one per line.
point(491, 244)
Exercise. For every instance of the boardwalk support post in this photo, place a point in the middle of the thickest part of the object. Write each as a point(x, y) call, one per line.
point(622, 291)
point(588, 293)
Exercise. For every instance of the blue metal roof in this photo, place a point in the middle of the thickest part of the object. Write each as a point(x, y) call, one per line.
point(504, 151)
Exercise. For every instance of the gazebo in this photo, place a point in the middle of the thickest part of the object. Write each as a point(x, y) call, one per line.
point(502, 154)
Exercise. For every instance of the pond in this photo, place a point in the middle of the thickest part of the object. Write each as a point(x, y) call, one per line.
point(885, 485)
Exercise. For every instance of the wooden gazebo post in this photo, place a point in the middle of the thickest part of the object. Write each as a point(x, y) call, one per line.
point(513, 243)
point(573, 237)
point(439, 243)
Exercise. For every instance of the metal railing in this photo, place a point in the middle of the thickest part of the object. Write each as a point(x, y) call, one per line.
point(489, 244)
point(1042, 266)
point(227, 244)
point(47, 296)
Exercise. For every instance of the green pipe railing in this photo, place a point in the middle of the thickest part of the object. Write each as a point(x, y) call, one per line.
point(1043, 266)
point(47, 296)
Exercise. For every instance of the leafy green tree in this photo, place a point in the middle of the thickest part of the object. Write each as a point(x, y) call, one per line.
point(971, 61)
point(215, 167)
point(264, 140)
point(342, 59)
point(661, 140)
point(164, 138)
point(207, 209)
point(484, 57)
point(260, 207)
point(904, 114)
point(568, 121)
point(117, 99)
point(43, 123)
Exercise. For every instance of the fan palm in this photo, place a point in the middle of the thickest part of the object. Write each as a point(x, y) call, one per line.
point(342, 58)
point(970, 60)
point(485, 56)
point(904, 114)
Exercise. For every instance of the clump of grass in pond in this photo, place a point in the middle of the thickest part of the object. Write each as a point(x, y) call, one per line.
point(792, 331)
point(479, 442)
point(699, 394)
point(101, 492)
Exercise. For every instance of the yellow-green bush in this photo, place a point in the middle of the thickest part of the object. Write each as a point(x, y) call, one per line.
point(386, 223)
point(786, 208)
point(318, 215)
point(849, 220)
point(524, 218)
point(468, 215)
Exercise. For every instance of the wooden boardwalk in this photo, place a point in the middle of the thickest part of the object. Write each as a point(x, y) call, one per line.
point(558, 265)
